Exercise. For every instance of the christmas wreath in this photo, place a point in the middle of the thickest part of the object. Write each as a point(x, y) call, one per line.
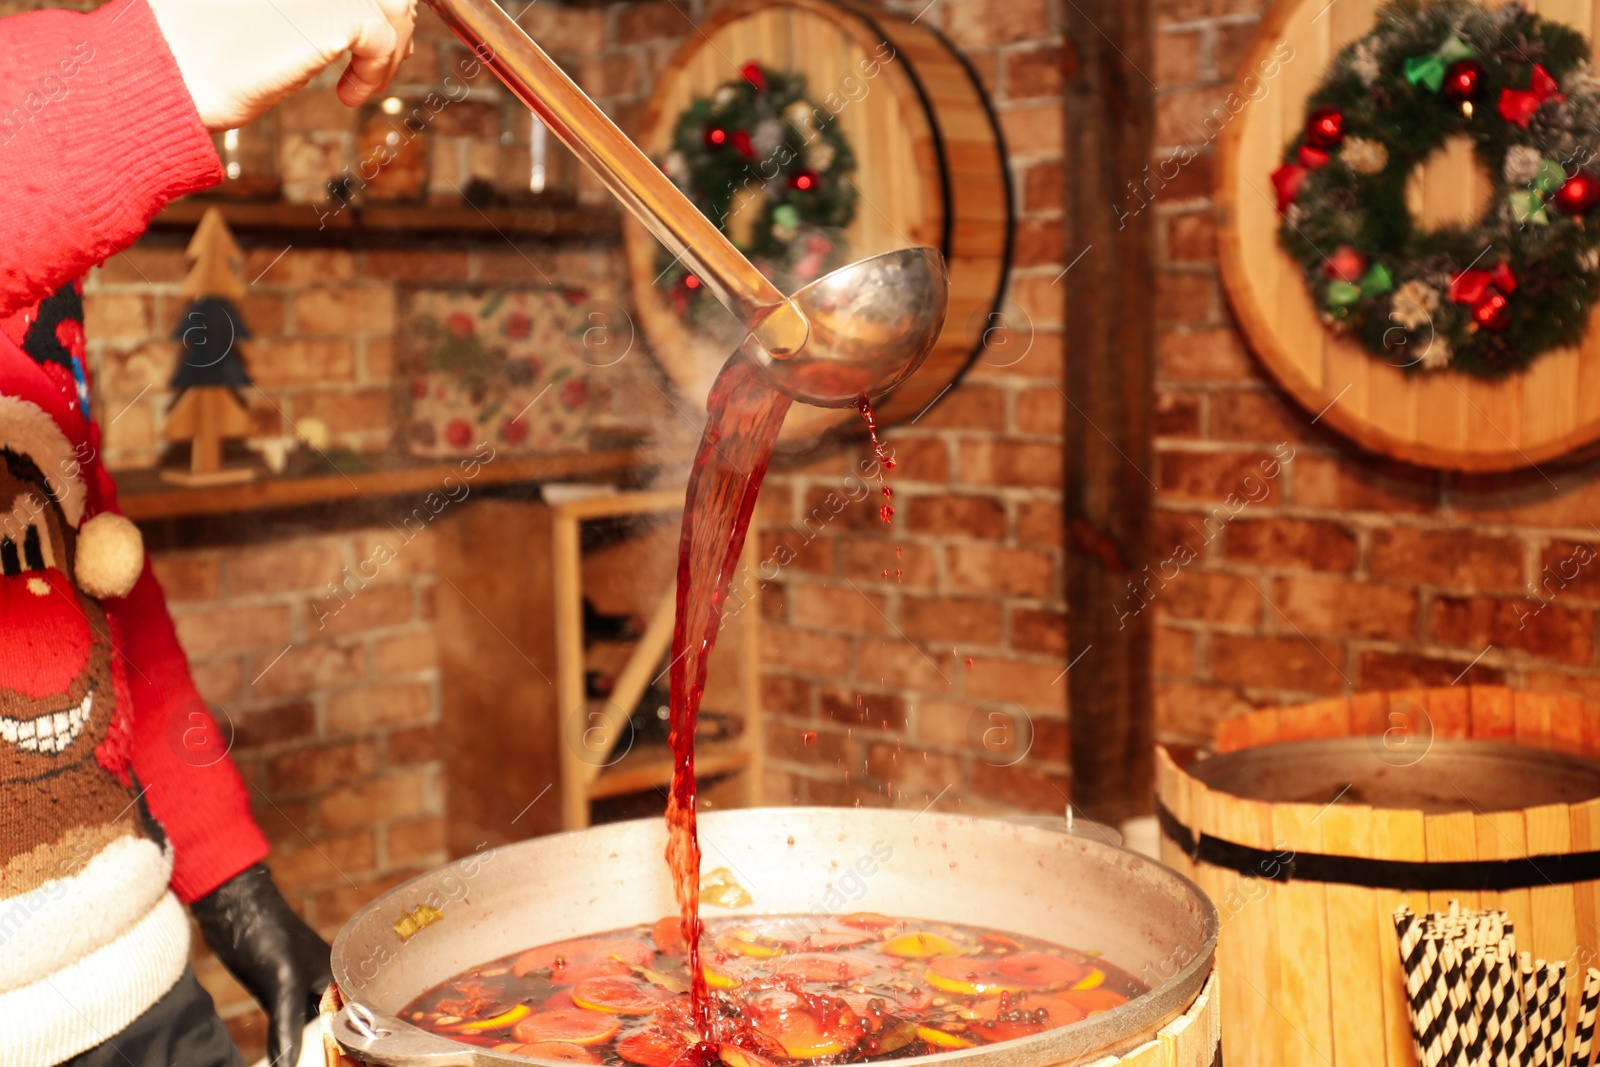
point(772, 170)
point(1484, 298)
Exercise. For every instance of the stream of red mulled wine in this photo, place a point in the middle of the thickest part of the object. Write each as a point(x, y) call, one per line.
point(744, 414)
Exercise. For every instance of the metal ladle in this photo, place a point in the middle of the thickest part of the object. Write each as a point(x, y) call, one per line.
point(854, 333)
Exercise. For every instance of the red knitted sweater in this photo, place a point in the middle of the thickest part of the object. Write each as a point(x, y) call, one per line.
point(97, 133)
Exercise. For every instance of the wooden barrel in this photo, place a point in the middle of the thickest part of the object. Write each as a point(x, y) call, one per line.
point(1314, 823)
point(930, 170)
point(1438, 418)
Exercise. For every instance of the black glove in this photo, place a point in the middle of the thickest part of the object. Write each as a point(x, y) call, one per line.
point(271, 951)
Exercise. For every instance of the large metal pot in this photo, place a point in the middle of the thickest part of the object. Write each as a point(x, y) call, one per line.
point(1145, 918)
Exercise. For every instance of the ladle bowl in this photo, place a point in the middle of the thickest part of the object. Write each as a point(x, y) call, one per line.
point(871, 324)
point(858, 331)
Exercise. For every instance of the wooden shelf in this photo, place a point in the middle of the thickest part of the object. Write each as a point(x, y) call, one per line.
point(143, 496)
point(648, 767)
point(378, 223)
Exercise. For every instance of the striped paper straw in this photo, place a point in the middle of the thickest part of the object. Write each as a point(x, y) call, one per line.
point(1582, 1042)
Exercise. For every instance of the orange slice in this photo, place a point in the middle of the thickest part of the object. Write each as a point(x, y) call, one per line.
point(919, 946)
point(573, 1025)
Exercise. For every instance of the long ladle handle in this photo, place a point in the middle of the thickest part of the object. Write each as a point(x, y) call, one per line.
point(633, 179)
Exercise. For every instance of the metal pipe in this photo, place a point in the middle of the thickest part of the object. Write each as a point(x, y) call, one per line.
point(627, 172)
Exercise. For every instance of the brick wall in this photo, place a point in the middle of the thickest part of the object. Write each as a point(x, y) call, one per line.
point(1343, 572)
point(879, 690)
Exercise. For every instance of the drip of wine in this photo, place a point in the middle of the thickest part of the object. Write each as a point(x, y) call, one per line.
point(744, 416)
point(885, 458)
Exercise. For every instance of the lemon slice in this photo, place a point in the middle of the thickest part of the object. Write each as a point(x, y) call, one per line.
point(1091, 980)
point(943, 1040)
point(919, 946)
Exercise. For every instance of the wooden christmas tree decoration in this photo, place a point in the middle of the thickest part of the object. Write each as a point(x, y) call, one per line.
point(208, 408)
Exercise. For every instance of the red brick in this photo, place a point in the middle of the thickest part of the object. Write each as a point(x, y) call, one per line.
point(1455, 559)
point(806, 652)
point(405, 654)
point(1404, 670)
point(421, 843)
point(217, 681)
point(346, 310)
point(920, 460)
point(1235, 481)
point(873, 711)
point(970, 407)
point(1192, 237)
point(1030, 684)
point(1019, 463)
point(1041, 411)
point(348, 412)
point(1192, 711)
point(1174, 652)
point(419, 744)
point(1233, 44)
point(326, 862)
point(805, 742)
point(1033, 72)
point(143, 265)
point(1197, 115)
point(284, 566)
point(302, 361)
point(1336, 607)
point(110, 316)
point(1291, 543)
point(864, 561)
point(402, 265)
point(917, 776)
point(1277, 663)
point(188, 576)
point(950, 620)
point(315, 769)
point(787, 547)
point(959, 514)
point(837, 607)
point(260, 727)
point(377, 607)
point(825, 508)
point(1039, 631)
point(396, 796)
point(225, 630)
point(1038, 242)
point(1212, 355)
point(299, 266)
point(1549, 631)
point(1177, 58)
point(1203, 595)
point(1043, 186)
point(649, 21)
point(786, 695)
point(1001, 571)
point(304, 667)
point(1568, 569)
point(1039, 523)
point(896, 663)
point(346, 898)
point(372, 707)
point(978, 23)
point(1349, 486)
point(1186, 298)
point(283, 820)
point(1252, 416)
point(1176, 414)
point(1023, 787)
point(264, 313)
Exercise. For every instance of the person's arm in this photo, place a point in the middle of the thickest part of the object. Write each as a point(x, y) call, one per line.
point(97, 132)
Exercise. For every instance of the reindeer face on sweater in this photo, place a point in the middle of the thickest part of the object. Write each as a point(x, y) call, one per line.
point(55, 678)
point(57, 697)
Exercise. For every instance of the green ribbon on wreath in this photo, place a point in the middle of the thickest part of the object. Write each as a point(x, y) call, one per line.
point(1429, 70)
point(1342, 294)
point(1377, 281)
point(1528, 206)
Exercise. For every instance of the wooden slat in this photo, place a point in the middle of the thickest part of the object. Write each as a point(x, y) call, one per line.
point(1451, 836)
point(1396, 835)
point(1301, 913)
point(1493, 714)
point(1554, 930)
point(1355, 964)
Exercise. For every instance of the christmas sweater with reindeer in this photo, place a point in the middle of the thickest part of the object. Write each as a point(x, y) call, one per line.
point(96, 701)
